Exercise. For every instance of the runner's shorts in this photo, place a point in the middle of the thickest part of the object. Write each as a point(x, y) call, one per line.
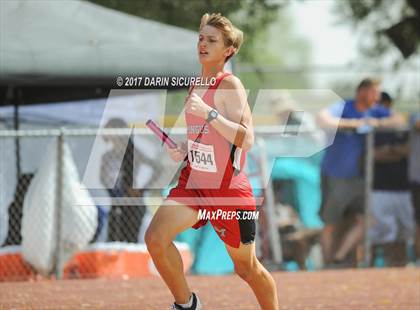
point(229, 210)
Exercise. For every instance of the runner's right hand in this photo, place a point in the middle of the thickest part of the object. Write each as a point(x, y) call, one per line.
point(177, 154)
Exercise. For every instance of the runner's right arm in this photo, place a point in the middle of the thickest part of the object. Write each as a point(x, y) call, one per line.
point(178, 154)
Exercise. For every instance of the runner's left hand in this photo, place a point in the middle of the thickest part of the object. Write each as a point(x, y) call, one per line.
point(196, 106)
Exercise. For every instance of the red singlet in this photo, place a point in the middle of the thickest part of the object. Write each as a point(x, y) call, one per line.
point(208, 182)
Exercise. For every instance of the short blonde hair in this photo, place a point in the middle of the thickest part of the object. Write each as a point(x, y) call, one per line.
point(232, 36)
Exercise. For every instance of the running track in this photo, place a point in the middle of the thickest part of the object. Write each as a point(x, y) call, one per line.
point(349, 289)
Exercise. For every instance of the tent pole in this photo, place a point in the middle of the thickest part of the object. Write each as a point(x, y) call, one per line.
point(16, 100)
point(11, 98)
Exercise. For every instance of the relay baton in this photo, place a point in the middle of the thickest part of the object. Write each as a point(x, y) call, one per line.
point(161, 134)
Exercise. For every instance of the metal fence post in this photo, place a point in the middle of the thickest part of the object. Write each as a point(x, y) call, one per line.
point(269, 205)
point(59, 266)
point(369, 162)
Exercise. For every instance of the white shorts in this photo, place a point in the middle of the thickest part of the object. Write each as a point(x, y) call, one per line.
point(392, 217)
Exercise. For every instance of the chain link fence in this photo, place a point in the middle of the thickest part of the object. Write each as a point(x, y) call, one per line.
point(52, 225)
point(81, 203)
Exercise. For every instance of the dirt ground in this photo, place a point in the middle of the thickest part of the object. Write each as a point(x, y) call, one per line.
point(349, 289)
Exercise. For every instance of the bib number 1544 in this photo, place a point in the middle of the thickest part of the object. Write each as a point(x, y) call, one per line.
point(201, 156)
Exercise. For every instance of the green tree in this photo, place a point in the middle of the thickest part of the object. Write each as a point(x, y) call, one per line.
point(384, 23)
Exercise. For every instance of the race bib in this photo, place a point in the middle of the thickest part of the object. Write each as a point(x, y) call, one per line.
point(201, 157)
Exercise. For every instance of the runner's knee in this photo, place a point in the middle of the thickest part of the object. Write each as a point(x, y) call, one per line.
point(247, 270)
point(156, 241)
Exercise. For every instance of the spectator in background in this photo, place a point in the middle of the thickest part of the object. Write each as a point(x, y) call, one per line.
point(119, 164)
point(414, 176)
point(386, 101)
point(14, 236)
point(342, 167)
point(392, 213)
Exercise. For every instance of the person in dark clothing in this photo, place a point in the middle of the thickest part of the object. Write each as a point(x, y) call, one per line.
point(392, 212)
point(414, 176)
point(14, 236)
point(124, 219)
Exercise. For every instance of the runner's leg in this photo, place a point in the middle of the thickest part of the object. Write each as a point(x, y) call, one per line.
point(253, 272)
point(169, 220)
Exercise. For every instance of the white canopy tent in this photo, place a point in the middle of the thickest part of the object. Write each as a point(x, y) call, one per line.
point(54, 51)
point(55, 42)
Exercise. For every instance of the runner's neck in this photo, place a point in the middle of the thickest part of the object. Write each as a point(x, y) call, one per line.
point(208, 74)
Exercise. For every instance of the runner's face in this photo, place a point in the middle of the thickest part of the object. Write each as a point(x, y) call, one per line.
point(210, 46)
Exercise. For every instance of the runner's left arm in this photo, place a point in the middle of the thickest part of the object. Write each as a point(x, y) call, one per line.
point(236, 126)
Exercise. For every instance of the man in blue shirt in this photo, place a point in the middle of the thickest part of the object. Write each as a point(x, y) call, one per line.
point(342, 165)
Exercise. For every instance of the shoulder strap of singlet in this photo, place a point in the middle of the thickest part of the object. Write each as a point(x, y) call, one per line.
point(219, 79)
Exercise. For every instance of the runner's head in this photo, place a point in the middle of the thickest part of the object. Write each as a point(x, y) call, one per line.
point(218, 39)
